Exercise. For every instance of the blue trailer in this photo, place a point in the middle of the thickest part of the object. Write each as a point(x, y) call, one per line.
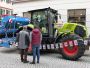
point(8, 27)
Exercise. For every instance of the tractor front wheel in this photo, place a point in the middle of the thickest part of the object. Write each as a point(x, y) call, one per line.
point(72, 50)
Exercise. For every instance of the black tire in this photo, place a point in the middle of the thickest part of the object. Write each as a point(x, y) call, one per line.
point(80, 50)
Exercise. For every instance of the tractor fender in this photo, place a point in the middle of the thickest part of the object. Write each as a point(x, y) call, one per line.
point(60, 37)
point(57, 38)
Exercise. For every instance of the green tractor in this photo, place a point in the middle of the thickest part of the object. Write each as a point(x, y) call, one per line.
point(67, 39)
point(68, 33)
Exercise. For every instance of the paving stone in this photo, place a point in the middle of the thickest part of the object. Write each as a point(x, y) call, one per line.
point(10, 58)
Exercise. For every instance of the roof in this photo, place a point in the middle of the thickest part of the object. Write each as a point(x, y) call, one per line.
point(43, 9)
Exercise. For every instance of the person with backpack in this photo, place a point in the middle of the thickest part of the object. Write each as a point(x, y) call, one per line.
point(35, 38)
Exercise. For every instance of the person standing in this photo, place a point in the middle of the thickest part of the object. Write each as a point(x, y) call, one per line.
point(23, 43)
point(36, 38)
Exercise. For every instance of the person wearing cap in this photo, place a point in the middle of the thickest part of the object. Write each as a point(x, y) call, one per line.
point(30, 27)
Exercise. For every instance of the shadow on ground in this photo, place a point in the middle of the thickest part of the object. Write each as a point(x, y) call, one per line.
point(45, 52)
point(9, 50)
point(16, 50)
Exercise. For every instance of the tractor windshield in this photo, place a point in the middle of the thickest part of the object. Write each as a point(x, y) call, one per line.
point(39, 18)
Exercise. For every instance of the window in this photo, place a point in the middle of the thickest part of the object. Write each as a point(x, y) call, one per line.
point(11, 12)
point(2, 0)
point(77, 16)
point(7, 12)
point(8, 1)
point(2, 11)
point(39, 18)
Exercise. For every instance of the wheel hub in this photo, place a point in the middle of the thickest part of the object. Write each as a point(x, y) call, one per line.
point(70, 49)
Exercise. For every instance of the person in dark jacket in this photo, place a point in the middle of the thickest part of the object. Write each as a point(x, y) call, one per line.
point(23, 43)
point(35, 39)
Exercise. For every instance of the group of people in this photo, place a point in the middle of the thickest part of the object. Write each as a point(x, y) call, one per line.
point(24, 39)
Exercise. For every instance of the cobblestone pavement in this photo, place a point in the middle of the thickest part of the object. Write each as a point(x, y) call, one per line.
point(9, 58)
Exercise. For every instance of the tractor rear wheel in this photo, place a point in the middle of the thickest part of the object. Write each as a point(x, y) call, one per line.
point(71, 50)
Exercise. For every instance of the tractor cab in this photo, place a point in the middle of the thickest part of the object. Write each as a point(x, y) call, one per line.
point(45, 20)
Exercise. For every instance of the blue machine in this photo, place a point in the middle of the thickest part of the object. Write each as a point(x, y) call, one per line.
point(8, 27)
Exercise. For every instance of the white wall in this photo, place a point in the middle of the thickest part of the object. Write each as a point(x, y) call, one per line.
point(5, 5)
point(61, 5)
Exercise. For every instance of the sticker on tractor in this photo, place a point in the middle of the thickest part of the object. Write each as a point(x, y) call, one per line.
point(65, 44)
point(44, 46)
point(61, 45)
point(48, 46)
point(52, 46)
point(71, 43)
point(85, 42)
point(56, 45)
point(75, 42)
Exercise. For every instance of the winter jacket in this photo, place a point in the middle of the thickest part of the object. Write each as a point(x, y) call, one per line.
point(23, 39)
point(36, 37)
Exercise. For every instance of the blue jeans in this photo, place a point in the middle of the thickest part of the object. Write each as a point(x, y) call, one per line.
point(36, 52)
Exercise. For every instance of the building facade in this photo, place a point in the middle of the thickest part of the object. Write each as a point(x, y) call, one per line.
point(77, 11)
point(6, 7)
